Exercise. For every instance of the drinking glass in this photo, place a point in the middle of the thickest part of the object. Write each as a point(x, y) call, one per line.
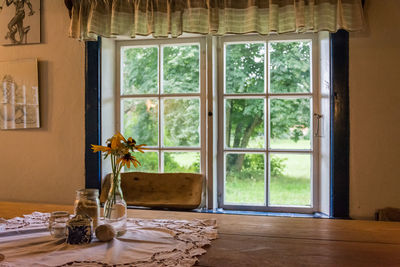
point(57, 223)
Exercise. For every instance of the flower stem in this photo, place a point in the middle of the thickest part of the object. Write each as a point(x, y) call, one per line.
point(111, 200)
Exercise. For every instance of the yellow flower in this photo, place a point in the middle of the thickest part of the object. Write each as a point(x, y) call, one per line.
point(97, 148)
point(131, 142)
point(120, 149)
point(116, 141)
point(140, 148)
point(127, 159)
point(119, 136)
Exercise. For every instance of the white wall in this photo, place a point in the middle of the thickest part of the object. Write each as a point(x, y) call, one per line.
point(47, 164)
point(375, 111)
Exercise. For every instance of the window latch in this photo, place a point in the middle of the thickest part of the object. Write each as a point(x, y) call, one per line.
point(318, 131)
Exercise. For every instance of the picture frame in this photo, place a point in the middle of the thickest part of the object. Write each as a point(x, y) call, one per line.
point(19, 94)
point(19, 22)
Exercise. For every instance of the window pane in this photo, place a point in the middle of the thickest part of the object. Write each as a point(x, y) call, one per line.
point(148, 161)
point(244, 180)
point(139, 70)
point(290, 123)
point(140, 120)
point(182, 162)
point(182, 122)
point(290, 67)
point(181, 69)
point(290, 179)
point(244, 68)
point(244, 123)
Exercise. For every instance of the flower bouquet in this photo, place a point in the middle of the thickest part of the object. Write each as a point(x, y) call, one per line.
point(119, 150)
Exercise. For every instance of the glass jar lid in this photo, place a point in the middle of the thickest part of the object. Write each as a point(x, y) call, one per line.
point(88, 192)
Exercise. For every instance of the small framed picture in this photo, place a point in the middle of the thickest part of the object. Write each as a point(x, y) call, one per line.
point(19, 22)
point(19, 94)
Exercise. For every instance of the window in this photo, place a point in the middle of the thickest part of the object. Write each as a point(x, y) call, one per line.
point(264, 98)
point(161, 102)
point(268, 152)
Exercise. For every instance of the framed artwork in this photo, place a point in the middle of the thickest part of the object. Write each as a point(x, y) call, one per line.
point(19, 22)
point(19, 94)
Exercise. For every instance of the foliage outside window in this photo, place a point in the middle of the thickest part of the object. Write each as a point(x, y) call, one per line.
point(160, 104)
point(267, 111)
point(267, 100)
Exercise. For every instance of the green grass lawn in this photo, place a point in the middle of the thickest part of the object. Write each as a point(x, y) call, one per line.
point(289, 144)
point(286, 190)
point(283, 191)
point(297, 165)
point(293, 187)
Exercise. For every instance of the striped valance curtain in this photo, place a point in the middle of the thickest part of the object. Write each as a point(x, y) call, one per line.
point(162, 18)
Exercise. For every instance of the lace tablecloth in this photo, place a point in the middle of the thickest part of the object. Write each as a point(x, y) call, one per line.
point(25, 241)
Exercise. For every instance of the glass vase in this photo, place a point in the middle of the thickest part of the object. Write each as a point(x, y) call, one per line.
point(115, 212)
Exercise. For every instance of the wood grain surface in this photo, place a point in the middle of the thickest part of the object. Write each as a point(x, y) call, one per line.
point(276, 241)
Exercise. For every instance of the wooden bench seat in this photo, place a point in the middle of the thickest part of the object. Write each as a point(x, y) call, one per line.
point(159, 190)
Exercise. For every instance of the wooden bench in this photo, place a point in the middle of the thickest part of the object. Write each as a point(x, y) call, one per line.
point(159, 190)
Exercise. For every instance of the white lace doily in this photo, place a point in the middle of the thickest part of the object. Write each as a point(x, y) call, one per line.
point(146, 243)
point(31, 221)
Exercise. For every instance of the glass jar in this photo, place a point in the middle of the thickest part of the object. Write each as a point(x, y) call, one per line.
point(57, 223)
point(87, 203)
point(79, 230)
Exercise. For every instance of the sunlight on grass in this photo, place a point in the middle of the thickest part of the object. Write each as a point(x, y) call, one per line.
point(245, 191)
point(290, 184)
point(182, 162)
point(289, 144)
point(186, 159)
point(296, 166)
point(288, 190)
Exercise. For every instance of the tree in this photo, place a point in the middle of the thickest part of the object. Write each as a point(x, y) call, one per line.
point(181, 116)
point(180, 75)
point(290, 72)
point(245, 73)
point(181, 69)
point(140, 70)
point(244, 117)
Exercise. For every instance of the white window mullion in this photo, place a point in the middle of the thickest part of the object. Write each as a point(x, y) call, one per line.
point(118, 82)
point(160, 111)
point(203, 106)
point(315, 73)
point(266, 126)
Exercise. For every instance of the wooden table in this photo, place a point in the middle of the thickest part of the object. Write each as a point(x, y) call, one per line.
point(276, 241)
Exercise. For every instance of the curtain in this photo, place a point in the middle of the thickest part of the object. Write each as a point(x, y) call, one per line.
point(163, 18)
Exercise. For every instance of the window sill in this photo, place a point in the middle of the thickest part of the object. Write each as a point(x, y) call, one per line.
point(318, 215)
